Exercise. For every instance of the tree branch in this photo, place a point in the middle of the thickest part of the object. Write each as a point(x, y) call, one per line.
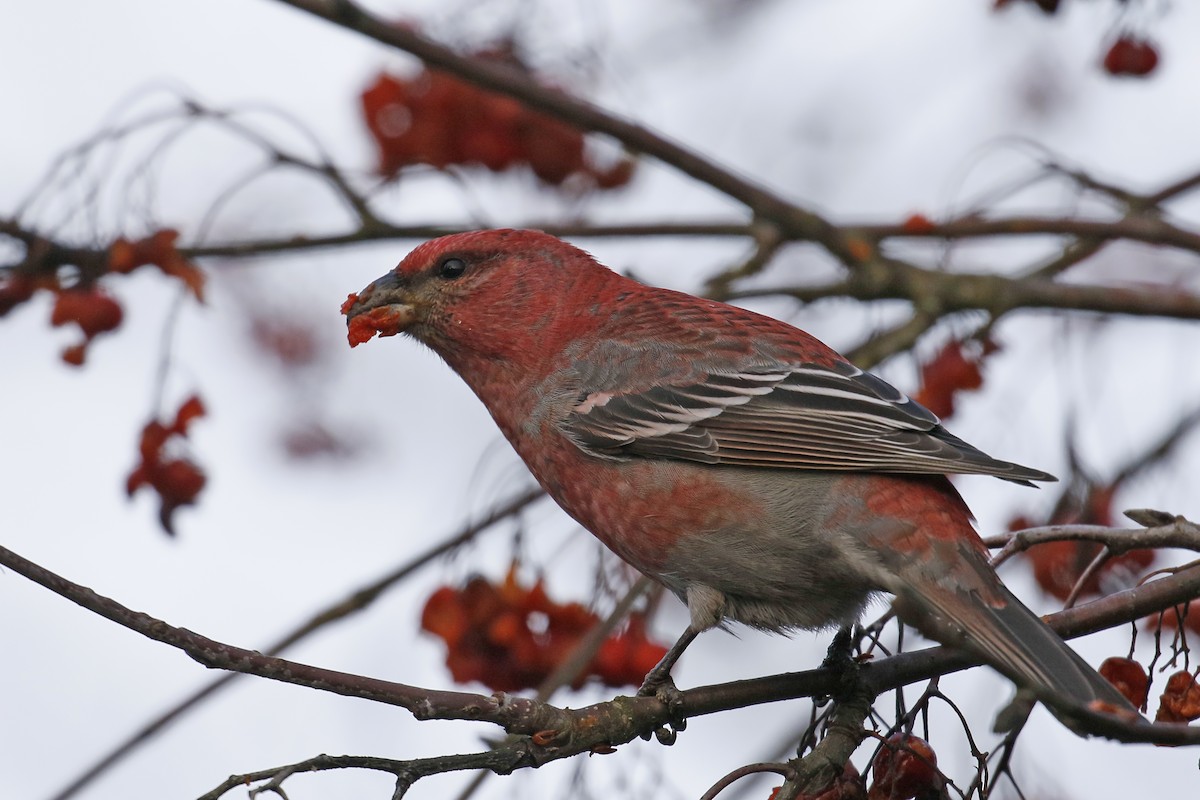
point(1135, 227)
point(1181, 533)
point(623, 718)
point(935, 292)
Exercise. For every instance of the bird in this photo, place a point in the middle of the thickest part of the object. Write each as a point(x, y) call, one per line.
point(737, 460)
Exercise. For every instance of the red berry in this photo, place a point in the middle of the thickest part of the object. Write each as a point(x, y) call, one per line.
point(1129, 677)
point(1129, 55)
point(905, 767)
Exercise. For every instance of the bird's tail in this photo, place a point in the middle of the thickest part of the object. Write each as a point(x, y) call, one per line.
point(945, 586)
point(1011, 638)
point(1033, 655)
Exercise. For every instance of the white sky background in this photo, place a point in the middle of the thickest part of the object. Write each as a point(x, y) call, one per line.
point(864, 109)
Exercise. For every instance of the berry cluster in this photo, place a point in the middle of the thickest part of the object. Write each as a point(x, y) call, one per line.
point(956, 368)
point(510, 637)
point(1129, 54)
point(1179, 701)
point(158, 249)
point(88, 306)
point(177, 480)
point(436, 119)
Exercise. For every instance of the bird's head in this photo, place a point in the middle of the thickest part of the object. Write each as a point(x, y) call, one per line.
point(494, 294)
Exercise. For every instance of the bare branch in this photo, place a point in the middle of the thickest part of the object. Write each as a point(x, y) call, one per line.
point(1180, 533)
point(934, 292)
point(502, 760)
point(741, 772)
point(1137, 228)
point(622, 719)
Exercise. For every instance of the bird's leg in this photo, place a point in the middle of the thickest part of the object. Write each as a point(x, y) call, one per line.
point(658, 682)
point(839, 660)
point(660, 675)
point(706, 606)
point(837, 657)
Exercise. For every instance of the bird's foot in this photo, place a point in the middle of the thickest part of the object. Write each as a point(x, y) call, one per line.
point(662, 687)
point(658, 678)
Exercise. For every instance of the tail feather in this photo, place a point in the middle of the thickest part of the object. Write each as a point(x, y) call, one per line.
point(1018, 643)
point(944, 585)
point(987, 619)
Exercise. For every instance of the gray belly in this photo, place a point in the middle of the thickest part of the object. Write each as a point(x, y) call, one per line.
point(790, 567)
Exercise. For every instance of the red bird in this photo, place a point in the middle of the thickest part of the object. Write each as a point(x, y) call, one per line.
point(745, 465)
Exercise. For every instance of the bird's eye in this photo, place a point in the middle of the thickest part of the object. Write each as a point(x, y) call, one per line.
point(452, 268)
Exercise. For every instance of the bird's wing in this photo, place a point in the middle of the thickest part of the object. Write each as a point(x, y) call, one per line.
point(799, 416)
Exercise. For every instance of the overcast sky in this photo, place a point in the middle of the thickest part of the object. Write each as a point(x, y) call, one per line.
point(864, 109)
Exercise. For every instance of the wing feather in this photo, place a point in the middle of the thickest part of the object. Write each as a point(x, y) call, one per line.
point(804, 416)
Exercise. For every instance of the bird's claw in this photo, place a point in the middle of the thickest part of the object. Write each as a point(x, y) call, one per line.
point(667, 734)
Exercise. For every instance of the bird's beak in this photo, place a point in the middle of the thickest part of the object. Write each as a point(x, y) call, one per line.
point(385, 307)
